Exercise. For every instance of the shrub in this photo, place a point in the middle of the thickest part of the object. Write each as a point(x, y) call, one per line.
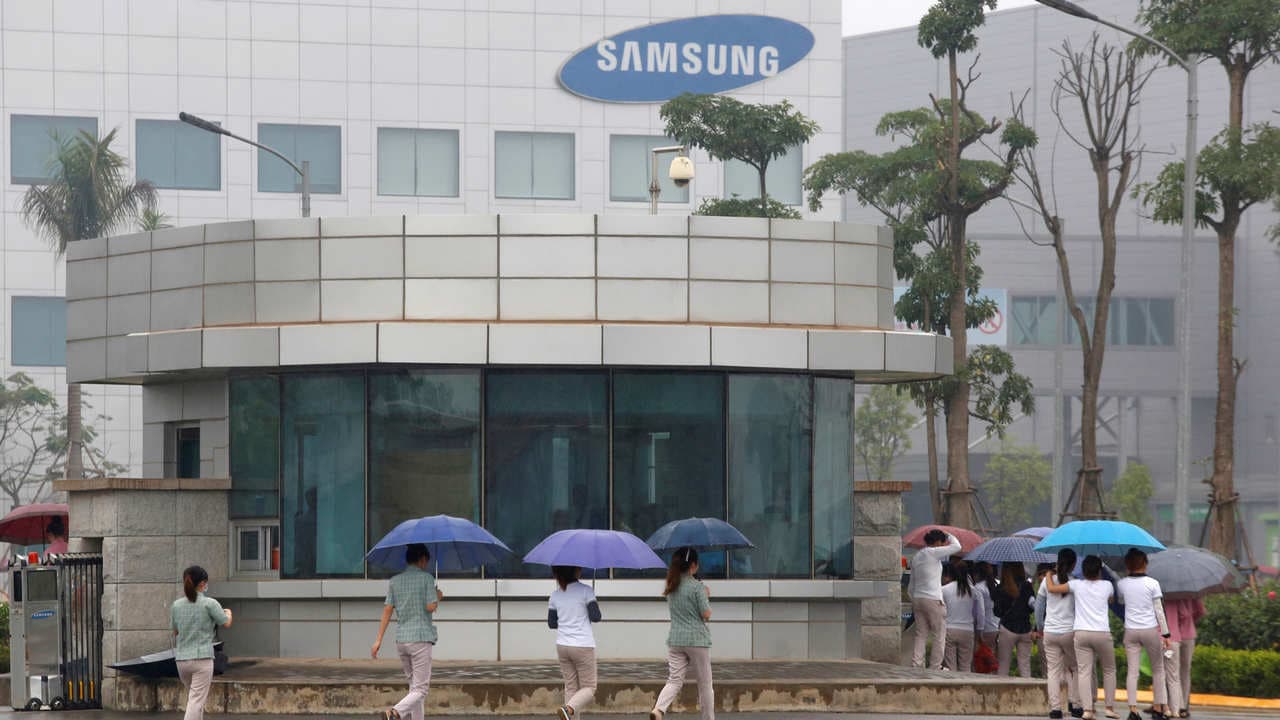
point(1220, 671)
point(1249, 620)
point(742, 207)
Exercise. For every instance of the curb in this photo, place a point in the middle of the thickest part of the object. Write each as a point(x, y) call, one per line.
point(1206, 700)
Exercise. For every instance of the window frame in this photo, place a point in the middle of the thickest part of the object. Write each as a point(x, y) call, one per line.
point(631, 201)
point(259, 153)
point(13, 359)
point(1119, 303)
point(799, 186)
point(43, 179)
point(459, 161)
point(137, 156)
point(533, 197)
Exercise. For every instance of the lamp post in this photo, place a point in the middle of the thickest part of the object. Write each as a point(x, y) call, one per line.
point(304, 171)
point(681, 178)
point(1182, 481)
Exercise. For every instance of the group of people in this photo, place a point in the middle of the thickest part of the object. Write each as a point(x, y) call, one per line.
point(960, 608)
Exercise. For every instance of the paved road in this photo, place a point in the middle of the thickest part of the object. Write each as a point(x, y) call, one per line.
point(1215, 715)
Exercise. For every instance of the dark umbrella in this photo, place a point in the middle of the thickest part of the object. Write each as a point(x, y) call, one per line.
point(1009, 550)
point(25, 525)
point(455, 543)
point(699, 534)
point(1188, 572)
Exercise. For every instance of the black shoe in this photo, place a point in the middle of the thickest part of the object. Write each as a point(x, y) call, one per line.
point(1133, 716)
point(1055, 714)
point(1077, 711)
point(563, 712)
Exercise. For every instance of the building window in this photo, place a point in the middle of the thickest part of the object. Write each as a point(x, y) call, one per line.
point(770, 449)
point(34, 140)
point(631, 170)
point(187, 451)
point(1143, 322)
point(547, 457)
point(536, 166)
point(39, 332)
point(320, 144)
point(175, 155)
point(832, 477)
point(255, 447)
point(256, 548)
point(1131, 321)
point(1035, 320)
point(418, 162)
point(424, 447)
point(782, 179)
point(323, 439)
point(668, 452)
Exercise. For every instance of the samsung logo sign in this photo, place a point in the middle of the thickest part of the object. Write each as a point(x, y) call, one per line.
point(42, 614)
point(705, 55)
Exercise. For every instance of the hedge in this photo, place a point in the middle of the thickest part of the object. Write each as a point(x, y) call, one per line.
point(1220, 671)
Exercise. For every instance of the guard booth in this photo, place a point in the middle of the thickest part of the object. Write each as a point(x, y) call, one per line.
point(55, 627)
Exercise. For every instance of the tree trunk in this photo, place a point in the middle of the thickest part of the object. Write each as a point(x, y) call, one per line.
point(74, 467)
point(931, 440)
point(764, 194)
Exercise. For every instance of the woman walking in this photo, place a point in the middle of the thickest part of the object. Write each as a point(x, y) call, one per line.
point(571, 610)
point(194, 618)
point(1056, 617)
point(1182, 615)
point(964, 616)
point(1014, 604)
point(689, 641)
point(413, 597)
point(1093, 633)
point(1145, 628)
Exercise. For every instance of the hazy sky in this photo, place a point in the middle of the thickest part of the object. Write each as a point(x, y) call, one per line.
point(864, 16)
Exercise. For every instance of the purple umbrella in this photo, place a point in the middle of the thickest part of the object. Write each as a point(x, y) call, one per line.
point(595, 549)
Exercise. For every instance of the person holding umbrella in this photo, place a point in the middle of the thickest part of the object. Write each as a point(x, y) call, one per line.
point(1182, 615)
point(413, 597)
point(689, 640)
point(1145, 628)
point(925, 589)
point(1092, 629)
point(571, 610)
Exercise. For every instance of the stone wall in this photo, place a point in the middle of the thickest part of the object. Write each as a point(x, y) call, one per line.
point(877, 555)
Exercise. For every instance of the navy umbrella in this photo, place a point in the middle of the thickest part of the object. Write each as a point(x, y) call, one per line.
point(455, 544)
point(699, 534)
point(1009, 550)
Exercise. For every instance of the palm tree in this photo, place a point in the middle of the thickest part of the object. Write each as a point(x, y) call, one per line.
point(87, 196)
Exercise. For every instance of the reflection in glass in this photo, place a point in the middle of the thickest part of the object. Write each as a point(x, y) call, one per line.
point(424, 447)
point(668, 452)
point(546, 446)
point(770, 436)
point(255, 447)
point(833, 478)
point(323, 479)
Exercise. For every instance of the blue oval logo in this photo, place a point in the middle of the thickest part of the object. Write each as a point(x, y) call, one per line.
point(704, 55)
point(42, 614)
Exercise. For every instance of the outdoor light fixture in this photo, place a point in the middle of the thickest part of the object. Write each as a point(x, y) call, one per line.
point(304, 171)
point(1069, 8)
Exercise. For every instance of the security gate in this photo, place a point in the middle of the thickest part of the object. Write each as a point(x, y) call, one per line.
point(56, 633)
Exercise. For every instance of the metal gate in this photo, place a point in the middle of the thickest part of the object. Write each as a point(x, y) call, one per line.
point(80, 592)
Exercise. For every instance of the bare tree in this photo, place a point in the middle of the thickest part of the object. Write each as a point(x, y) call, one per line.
point(1093, 99)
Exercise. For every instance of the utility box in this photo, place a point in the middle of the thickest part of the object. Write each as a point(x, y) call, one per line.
point(55, 627)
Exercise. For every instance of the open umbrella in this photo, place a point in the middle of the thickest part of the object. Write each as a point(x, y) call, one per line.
point(968, 538)
point(25, 525)
point(699, 534)
point(1039, 533)
point(595, 549)
point(455, 544)
point(1189, 572)
point(1009, 549)
point(1111, 538)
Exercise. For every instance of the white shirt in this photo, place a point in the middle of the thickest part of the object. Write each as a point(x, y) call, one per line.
point(1138, 594)
point(990, 623)
point(926, 569)
point(1058, 611)
point(964, 612)
point(1092, 597)
point(573, 626)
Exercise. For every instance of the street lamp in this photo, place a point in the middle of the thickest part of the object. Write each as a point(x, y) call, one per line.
point(680, 172)
point(304, 171)
point(1181, 500)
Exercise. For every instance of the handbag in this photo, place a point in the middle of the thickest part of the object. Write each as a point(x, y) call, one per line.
point(984, 660)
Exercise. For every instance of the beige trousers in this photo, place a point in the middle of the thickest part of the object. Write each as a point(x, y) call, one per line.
point(1060, 664)
point(931, 623)
point(1173, 682)
point(959, 655)
point(1004, 653)
point(1135, 641)
point(197, 675)
point(679, 660)
point(1186, 649)
point(415, 659)
point(1095, 645)
point(578, 666)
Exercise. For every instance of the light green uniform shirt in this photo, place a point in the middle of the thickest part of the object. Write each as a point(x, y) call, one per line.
point(195, 623)
point(686, 605)
point(410, 593)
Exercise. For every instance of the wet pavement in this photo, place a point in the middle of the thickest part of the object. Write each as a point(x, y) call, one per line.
point(1207, 715)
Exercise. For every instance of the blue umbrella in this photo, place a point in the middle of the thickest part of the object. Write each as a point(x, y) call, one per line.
point(1039, 533)
point(455, 544)
point(1009, 550)
point(700, 534)
point(595, 549)
point(1111, 538)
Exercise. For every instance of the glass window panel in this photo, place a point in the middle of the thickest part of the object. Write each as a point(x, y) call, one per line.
point(1160, 322)
point(173, 154)
point(33, 143)
point(770, 438)
point(424, 447)
point(188, 446)
point(631, 170)
point(417, 162)
point(323, 438)
point(782, 179)
point(255, 447)
point(1035, 321)
point(833, 478)
point(546, 449)
point(513, 165)
point(39, 327)
point(668, 452)
point(320, 144)
point(396, 160)
point(533, 165)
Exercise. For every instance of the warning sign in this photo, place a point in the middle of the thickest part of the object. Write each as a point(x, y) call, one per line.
point(992, 332)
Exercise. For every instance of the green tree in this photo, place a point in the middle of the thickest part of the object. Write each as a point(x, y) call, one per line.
point(1237, 170)
point(153, 220)
point(1131, 495)
point(1017, 482)
point(88, 197)
point(729, 129)
point(881, 431)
